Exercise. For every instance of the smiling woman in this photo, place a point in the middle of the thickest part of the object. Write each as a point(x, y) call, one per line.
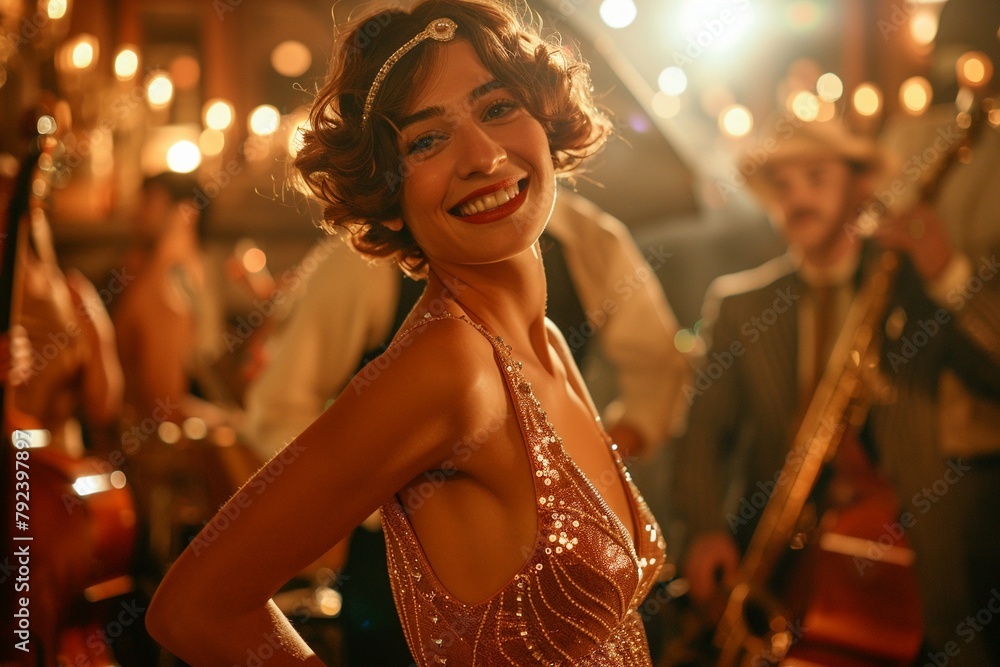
point(437, 141)
point(356, 169)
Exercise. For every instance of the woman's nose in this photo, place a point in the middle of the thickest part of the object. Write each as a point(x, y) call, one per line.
point(480, 152)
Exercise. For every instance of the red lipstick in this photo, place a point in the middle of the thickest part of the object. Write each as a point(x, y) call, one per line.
point(499, 212)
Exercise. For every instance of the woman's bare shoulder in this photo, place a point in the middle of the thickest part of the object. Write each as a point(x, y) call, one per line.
point(443, 366)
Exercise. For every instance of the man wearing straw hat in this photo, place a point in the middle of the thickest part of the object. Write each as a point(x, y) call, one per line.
point(770, 334)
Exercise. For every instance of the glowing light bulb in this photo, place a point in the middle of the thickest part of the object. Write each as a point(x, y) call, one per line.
point(126, 64)
point(218, 114)
point(56, 9)
point(924, 27)
point(618, 13)
point(915, 95)
point(264, 120)
point(159, 90)
point(829, 87)
point(83, 54)
point(672, 81)
point(183, 157)
point(867, 99)
point(736, 121)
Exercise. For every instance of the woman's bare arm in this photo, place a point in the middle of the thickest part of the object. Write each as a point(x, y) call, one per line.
point(212, 607)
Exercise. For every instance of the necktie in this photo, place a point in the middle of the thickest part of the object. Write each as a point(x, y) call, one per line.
point(822, 334)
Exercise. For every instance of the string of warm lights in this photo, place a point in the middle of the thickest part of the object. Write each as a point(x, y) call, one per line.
point(178, 148)
point(713, 29)
point(707, 32)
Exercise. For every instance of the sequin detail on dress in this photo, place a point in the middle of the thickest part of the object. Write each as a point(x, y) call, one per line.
point(573, 602)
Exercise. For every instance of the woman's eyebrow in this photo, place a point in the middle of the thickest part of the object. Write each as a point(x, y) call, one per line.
point(430, 112)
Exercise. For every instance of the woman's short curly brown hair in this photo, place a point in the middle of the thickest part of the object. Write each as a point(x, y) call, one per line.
point(355, 169)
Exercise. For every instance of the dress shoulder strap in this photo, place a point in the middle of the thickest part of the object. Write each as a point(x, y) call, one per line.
point(444, 315)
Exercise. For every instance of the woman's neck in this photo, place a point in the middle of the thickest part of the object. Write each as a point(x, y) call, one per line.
point(508, 298)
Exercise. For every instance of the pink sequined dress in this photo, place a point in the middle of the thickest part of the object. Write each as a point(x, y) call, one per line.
point(575, 600)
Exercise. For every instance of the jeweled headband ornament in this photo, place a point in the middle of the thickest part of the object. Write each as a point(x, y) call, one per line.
point(440, 30)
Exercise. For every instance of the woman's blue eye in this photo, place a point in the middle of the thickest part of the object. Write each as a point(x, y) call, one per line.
point(422, 144)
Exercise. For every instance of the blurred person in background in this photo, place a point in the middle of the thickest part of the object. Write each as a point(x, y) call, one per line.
point(776, 325)
point(167, 317)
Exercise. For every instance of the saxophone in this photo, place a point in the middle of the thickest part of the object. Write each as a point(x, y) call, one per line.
point(754, 622)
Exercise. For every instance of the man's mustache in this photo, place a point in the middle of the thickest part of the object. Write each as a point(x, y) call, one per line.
point(798, 214)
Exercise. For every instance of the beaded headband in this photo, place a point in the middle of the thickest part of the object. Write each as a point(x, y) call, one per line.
point(440, 30)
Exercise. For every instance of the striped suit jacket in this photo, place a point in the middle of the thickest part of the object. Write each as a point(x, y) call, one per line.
point(744, 399)
point(744, 395)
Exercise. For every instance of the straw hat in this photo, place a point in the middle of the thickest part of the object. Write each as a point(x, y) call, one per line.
point(792, 139)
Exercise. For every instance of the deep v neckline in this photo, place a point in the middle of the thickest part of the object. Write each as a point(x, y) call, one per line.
point(629, 538)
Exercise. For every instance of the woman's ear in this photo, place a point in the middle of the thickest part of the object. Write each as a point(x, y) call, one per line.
point(396, 224)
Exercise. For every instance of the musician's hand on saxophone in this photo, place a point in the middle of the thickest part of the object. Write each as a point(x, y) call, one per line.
point(920, 233)
point(711, 568)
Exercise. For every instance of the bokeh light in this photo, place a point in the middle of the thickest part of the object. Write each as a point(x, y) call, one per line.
point(185, 71)
point(194, 428)
point(83, 51)
point(867, 99)
point(56, 9)
point(974, 69)
point(915, 95)
point(829, 87)
point(218, 114)
point(672, 81)
point(618, 13)
point(46, 125)
point(211, 142)
point(924, 27)
point(264, 120)
point(183, 157)
point(804, 15)
point(804, 105)
point(159, 90)
point(736, 121)
point(126, 63)
point(666, 106)
point(291, 58)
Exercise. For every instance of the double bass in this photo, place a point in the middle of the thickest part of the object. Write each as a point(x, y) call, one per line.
point(69, 521)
